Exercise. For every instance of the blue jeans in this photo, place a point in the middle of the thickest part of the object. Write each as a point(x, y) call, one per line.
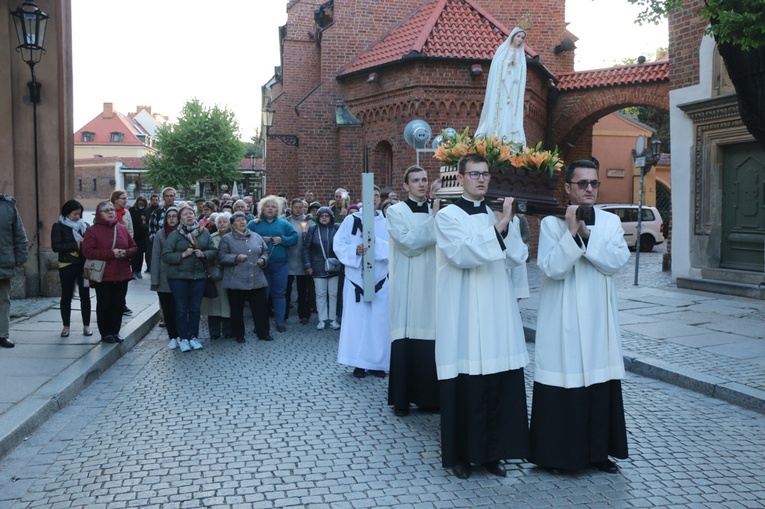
point(187, 294)
point(276, 275)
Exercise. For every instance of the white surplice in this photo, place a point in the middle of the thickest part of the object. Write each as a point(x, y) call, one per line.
point(412, 266)
point(479, 329)
point(365, 328)
point(578, 342)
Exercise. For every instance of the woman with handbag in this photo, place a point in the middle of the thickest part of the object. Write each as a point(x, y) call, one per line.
point(159, 282)
point(243, 255)
point(319, 262)
point(109, 243)
point(187, 252)
point(217, 309)
point(66, 239)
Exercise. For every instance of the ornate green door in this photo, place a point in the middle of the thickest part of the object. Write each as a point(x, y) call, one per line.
point(743, 207)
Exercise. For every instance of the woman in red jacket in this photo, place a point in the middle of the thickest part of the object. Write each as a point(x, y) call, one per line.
point(110, 241)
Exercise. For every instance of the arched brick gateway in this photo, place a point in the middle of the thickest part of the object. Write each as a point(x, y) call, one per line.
point(584, 97)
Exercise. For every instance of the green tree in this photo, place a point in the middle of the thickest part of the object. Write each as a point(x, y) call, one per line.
point(738, 27)
point(203, 144)
point(657, 118)
point(254, 147)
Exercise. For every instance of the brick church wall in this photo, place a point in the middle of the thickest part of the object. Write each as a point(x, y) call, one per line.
point(442, 93)
point(686, 29)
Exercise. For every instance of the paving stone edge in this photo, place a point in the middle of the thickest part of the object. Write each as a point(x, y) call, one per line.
point(708, 385)
point(23, 419)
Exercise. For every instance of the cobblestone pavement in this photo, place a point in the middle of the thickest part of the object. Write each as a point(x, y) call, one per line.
point(281, 424)
point(655, 319)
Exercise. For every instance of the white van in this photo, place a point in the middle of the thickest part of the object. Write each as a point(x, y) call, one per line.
point(652, 228)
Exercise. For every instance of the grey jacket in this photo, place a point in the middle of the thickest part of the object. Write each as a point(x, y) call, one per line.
point(13, 238)
point(245, 275)
point(295, 262)
point(158, 267)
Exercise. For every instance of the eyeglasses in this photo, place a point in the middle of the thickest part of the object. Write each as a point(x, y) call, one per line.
point(106, 211)
point(475, 175)
point(584, 183)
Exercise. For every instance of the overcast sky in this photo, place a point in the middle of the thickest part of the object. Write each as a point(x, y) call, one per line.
point(162, 53)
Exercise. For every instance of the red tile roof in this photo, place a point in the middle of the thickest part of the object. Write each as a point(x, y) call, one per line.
point(441, 29)
point(245, 164)
point(102, 126)
point(618, 75)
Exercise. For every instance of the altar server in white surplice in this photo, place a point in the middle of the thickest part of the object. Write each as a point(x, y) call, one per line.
point(412, 297)
point(365, 329)
point(577, 414)
point(480, 346)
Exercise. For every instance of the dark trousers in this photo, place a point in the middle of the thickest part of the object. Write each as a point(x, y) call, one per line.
point(167, 305)
point(149, 247)
point(110, 303)
point(218, 325)
point(71, 275)
point(304, 310)
point(258, 306)
point(136, 262)
point(188, 295)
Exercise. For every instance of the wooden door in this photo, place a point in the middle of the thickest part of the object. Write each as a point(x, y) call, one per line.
point(743, 207)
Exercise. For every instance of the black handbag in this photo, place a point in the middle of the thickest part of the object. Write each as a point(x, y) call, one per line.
point(211, 291)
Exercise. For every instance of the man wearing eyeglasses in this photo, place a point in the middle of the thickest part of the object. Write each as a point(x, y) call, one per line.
point(480, 346)
point(157, 219)
point(577, 414)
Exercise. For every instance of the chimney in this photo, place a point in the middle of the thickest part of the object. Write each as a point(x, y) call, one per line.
point(108, 110)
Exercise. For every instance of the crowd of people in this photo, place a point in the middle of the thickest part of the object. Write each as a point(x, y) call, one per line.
point(441, 318)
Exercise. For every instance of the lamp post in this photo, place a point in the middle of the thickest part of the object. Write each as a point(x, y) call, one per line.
point(645, 159)
point(267, 118)
point(30, 23)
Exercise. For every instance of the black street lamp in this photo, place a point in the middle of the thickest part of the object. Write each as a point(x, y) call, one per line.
point(646, 159)
point(30, 23)
point(267, 118)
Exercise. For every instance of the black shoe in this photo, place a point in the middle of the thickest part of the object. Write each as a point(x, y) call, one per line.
point(240, 340)
point(281, 328)
point(553, 470)
point(495, 468)
point(215, 336)
point(108, 339)
point(462, 469)
point(267, 338)
point(6, 343)
point(119, 338)
point(400, 412)
point(607, 466)
point(377, 372)
point(359, 373)
point(127, 311)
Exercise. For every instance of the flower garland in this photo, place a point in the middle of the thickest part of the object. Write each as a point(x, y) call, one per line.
point(498, 153)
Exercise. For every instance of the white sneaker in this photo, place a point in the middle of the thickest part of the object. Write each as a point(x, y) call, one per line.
point(184, 345)
point(334, 325)
point(321, 325)
point(173, 344)
point(195, 344)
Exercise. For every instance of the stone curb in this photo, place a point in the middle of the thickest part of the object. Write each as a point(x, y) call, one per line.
point(23, 419)
point(708, 385)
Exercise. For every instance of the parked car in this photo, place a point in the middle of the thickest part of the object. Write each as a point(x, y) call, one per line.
point(652, 227)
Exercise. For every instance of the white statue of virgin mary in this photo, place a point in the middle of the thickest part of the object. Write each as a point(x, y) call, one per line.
point(502, 114)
